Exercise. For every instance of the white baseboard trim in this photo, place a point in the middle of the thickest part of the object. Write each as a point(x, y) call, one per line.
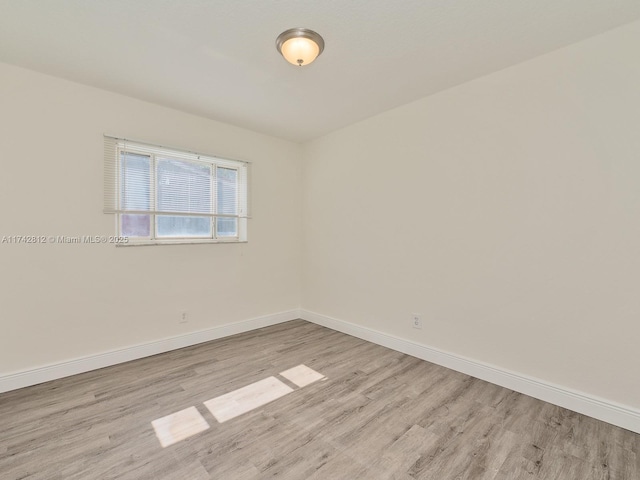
point(13, 381)
point(592, 406)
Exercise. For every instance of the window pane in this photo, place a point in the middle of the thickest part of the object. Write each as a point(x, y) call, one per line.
point(183, 187)
point(164, 195)
point(227, 227)
point(135, 177)
point(227, 182)
point(175, 226)
point(134, 225)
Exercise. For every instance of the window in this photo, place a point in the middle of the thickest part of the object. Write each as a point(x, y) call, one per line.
point(159, 195)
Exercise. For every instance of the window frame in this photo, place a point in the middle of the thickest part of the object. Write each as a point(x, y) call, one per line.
point(155, 154)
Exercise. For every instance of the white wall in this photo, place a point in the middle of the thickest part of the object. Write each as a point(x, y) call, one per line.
point(506, 211)
point(59, 302)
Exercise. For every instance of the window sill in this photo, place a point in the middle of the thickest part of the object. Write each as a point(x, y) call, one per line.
point(182, 241)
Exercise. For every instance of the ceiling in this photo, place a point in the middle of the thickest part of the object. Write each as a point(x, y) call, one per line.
point(217, 58)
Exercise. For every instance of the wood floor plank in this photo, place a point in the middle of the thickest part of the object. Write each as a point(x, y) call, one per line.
point(342, 467)
point(399, 456)
point(377, 415)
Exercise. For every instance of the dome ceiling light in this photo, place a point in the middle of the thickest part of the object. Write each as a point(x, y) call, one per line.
point(300, 46)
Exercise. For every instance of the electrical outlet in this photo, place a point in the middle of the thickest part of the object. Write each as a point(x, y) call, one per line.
point(183, 317)
point(416, 320)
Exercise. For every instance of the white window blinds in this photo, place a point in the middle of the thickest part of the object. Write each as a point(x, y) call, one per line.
point(161, 194)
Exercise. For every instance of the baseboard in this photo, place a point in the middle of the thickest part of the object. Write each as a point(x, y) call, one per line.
point(592, 406)
point(599, 408)
point(26, 378)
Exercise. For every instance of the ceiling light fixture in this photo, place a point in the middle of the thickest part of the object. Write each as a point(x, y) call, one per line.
point(300, 46)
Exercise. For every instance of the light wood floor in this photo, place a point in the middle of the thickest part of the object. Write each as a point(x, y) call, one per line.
point(378, 415)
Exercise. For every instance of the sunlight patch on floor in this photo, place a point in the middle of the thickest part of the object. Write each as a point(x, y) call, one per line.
point(188, 422)
point(245, 399)
point(178, 426)
point(302, 375)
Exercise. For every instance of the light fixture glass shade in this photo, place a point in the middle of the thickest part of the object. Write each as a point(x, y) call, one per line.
point(300, 46)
